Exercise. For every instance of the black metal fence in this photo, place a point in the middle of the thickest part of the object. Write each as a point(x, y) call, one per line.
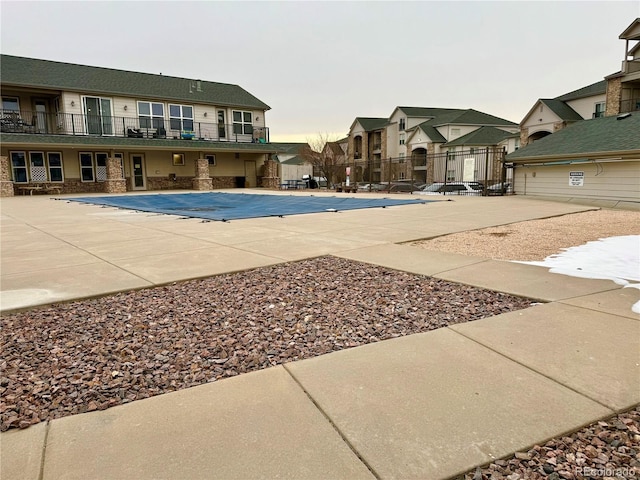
point(480, 171)
point(131, 127)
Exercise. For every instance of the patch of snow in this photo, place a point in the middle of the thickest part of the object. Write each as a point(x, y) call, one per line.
point(614, 258)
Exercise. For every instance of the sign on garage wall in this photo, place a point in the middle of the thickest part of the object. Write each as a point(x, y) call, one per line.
point(576, 179)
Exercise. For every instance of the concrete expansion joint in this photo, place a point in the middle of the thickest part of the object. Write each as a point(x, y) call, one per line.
point(335, 427)
point(528, 367)
point(44, 449)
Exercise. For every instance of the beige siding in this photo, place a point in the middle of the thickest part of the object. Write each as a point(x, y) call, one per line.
point(586, 107)
point(602, 181)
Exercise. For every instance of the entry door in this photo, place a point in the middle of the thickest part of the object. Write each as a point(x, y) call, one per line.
point(137, 173)
point(250, 174)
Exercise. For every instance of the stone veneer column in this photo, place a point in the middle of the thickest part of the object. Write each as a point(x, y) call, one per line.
point(6, 185)
point(614, 96)
point(524, 137)
point(202, 180)
point(431, 150)
point(270, 178)
point(115, 182)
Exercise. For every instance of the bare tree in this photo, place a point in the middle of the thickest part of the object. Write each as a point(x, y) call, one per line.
point(327, 157)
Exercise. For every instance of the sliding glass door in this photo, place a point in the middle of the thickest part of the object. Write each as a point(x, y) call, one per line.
point(98, 116)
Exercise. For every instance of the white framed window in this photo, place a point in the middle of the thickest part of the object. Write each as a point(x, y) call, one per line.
point(242, 122)
point(151, 114)
point(98, 119)
point(599, 110)
point(451, 175)
point(10, 104)
point(86, 167)
point(402, 139)
point(401, 124)
point(19, 167)
point(401, 176)
point(181, 117)
point(54, 162)
point(101, 166)
point(401, 157)
point(37, 167)
point(212, 159)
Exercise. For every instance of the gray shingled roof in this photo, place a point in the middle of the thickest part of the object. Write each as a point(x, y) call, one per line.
point(46, 74)
point(443, 116)
point(290, 148)
point(156, 143)
point(584, 138)
point(372, 123)
point(597, 88)
point(481, 137)
point(561, 109)
point(434, 135)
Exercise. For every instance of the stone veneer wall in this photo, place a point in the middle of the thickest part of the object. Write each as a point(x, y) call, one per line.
point(524, 136)
point(6, 185)
point(614, 95)
point(115, 183)
point(167, 183)
point(431, 151)
point(559, 126)
point(270, 178)
point(202, 180)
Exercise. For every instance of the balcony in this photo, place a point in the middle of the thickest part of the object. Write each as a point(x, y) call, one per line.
point(630, 105)
point(75, 124)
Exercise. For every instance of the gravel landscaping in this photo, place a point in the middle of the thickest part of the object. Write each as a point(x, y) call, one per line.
point(607, 449)
point(91, 355)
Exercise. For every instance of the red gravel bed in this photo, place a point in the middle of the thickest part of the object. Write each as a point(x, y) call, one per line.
point(607, 449)
point(91, 355)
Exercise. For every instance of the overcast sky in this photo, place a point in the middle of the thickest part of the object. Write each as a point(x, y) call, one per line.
point(321, 64)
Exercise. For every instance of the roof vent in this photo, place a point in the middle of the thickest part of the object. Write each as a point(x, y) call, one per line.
point(623, 116)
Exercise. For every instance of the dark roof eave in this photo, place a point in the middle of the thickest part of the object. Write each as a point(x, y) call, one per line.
point(573, 156)
point(61, 141)
point(128, 94)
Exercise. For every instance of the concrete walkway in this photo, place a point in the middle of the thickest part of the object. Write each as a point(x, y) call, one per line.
point(426, 406)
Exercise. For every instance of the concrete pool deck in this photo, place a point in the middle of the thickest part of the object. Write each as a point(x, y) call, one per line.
point(430, 405)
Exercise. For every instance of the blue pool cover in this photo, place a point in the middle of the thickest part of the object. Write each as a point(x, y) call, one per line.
point(232, 206)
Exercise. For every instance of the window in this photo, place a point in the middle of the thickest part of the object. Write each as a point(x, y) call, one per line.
point(86, 167)
point(151, 115)
point(599, 110)
point(401, 157)
point(38, 168)
point(242, 122)
point(451, 175)
point(401, 124)
point(402, 139)
point(181, 117)
point(517, 143)
point(56, 174)
point(222, 131)
point(178, 159)
point(98, 118)
point(101, 166)
point(211, 159)
point(401, 176)
point(10, 104)
point(19, 167)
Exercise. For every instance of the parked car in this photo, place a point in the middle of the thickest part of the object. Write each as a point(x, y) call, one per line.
point(453, 188)
point(499, 189)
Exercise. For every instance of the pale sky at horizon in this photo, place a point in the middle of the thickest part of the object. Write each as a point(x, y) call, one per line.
point(321, 64)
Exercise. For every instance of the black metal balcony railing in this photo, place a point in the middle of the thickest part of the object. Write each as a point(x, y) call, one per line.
point(130, 127)
point(631, 105)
